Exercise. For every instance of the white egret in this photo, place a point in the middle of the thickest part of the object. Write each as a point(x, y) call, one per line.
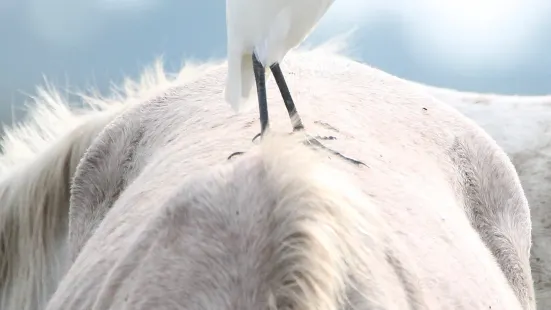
point(259, 34)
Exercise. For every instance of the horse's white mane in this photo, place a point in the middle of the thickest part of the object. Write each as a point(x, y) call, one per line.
point(38, 160)
point(307, 191)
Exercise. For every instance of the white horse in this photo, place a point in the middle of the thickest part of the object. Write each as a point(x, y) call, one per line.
point(521, 125)
point(437, 219)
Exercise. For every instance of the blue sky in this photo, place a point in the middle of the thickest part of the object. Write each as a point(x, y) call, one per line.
point(475, 45)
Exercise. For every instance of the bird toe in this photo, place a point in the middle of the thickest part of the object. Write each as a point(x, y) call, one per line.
point(235, 154)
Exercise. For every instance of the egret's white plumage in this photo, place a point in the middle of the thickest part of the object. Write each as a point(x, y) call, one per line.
point(269, 28)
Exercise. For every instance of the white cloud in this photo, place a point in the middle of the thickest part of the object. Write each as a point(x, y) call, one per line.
point(461, 34)
point(473, 34)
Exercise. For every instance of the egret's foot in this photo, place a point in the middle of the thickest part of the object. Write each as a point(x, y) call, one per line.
point(299, 126)
point(258, 135)
point(325, 138)
point(314, 141)
point(300, 129)
point(235, 154)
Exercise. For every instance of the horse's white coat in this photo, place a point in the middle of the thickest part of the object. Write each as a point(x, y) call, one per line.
point(432, 174)
point(269, 28)
point(522, 126)
point(361, 82)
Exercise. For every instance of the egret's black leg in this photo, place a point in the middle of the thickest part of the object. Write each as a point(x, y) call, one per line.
point(287, 98)
point(260, 78)
point(295, 118)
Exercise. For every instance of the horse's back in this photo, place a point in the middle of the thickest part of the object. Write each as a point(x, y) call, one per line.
point(423, 177)
point(280, 226)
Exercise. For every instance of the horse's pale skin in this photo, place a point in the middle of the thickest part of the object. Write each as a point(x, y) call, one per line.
point(521, 125)
point(428, 168)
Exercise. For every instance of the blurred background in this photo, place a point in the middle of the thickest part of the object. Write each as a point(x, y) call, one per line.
point(499, 46)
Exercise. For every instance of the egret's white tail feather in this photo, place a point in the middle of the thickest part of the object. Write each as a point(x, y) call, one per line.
point(239, 82)
point(269, 50)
